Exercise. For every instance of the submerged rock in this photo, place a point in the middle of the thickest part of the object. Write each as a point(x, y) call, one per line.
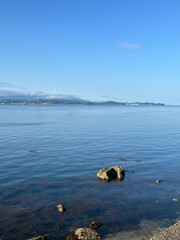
point(87, 234)
point(111, 173)
point(71, 237)
point(60, 208)
point(95, 225)
point(44, 237)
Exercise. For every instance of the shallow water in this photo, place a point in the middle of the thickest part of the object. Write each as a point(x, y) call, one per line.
point(51, 154)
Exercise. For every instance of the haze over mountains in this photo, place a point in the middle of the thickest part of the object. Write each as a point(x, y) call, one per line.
point(6, 94)
point(8, 91)
point(10, 94)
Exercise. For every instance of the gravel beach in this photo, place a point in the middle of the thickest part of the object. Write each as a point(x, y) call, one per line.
point(171, 233)
point(149, 230)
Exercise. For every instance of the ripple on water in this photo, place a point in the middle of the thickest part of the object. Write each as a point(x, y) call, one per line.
point(51, 155)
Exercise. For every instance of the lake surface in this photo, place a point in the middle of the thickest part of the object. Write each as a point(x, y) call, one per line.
point(51, 154)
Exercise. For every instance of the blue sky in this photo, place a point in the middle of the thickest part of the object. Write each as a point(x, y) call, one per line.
point(125, 50)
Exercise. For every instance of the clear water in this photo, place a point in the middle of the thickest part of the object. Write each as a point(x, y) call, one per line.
point(51, 154)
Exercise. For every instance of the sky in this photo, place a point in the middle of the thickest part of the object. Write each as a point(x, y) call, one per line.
point(122, 50)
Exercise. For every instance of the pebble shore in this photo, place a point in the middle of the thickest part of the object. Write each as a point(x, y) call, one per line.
point(171, 233)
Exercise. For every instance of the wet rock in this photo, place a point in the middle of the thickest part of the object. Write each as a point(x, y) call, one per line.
point(71, 237)
point(60, 208)
point(87, 234)
point(95, 225)
point(111, 173)
point(176, 200)
point(158, 181)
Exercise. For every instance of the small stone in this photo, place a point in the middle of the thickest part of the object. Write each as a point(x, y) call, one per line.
point(87, 234)
point(158, 181)
point(95, 225)
point(60, 208)
point(176, 200)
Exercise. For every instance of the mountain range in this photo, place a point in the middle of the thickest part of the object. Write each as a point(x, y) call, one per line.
point(10, 94)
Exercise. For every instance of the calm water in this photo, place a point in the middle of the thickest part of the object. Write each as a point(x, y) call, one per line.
point(51, 154)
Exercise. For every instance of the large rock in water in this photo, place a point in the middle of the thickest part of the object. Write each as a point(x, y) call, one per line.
point(87, 234)
point(111, 173)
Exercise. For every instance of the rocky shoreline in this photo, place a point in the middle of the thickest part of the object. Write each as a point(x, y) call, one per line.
point(147, 229)
point(171, 233)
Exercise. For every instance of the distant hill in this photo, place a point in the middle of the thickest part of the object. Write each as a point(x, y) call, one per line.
point(14, 95)
point(72, 101)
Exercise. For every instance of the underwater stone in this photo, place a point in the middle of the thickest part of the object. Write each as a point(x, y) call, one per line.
point(60, 208)
point(176, 200)
point(95, 225)
point(111, 173)
point(71, 237)
point(39, 238)
point(87, 234)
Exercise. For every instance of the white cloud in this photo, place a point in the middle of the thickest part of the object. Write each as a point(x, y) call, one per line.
point(127, 45)
point(5, 85)
point(8, 91)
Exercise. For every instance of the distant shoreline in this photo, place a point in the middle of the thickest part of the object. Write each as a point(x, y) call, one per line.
point(73, 102)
